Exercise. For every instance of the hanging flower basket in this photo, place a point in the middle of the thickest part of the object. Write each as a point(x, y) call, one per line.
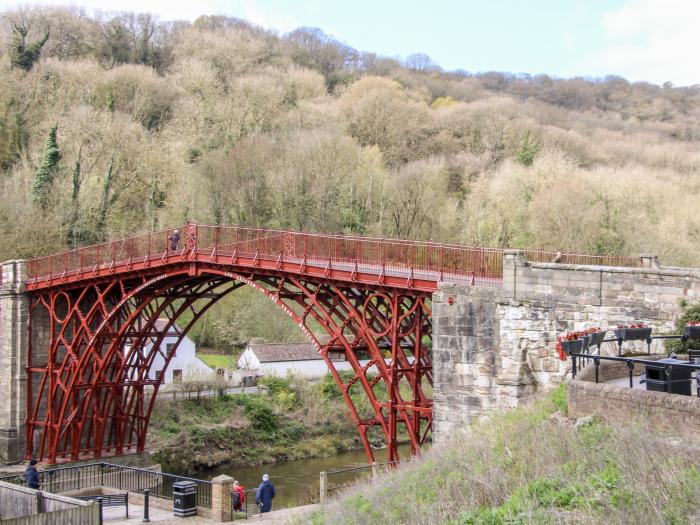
point(573, 346)
point(692, 330)
point(595, 338)
point(585, 341)
point(634, 332)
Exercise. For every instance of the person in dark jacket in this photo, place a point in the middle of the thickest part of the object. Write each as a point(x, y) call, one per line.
point(174, 240)
point(31, 475)
point(264, 494)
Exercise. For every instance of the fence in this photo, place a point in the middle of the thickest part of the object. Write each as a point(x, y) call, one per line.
point(119, 477)
point(668, 372)
point(327, 488)
point(172, 395)
point(544, 256)
point(441, 261)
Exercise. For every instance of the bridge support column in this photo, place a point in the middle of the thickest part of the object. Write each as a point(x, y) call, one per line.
point(482, 340)
point(14, 337)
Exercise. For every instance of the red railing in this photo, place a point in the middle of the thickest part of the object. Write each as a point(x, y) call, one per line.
point(374, 255)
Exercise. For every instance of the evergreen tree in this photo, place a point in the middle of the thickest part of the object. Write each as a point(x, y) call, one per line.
point(44, 176)
point(21, 55)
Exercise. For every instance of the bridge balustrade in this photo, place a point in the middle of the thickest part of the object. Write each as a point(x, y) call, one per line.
point(379, 254)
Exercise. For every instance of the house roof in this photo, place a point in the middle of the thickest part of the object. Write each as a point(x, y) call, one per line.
point(270, 352)
point(161, 325)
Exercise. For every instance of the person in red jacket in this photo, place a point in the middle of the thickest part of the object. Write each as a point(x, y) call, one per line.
point(238, 495)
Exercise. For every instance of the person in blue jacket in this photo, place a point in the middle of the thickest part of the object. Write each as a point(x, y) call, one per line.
point(31, 475)
point(264, 494)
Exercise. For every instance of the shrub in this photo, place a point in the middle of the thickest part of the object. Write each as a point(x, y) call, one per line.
point(276, 384)
point(260, 414)
point(690, 313)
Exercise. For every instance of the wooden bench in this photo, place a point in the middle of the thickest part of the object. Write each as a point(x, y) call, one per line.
point(110, 500)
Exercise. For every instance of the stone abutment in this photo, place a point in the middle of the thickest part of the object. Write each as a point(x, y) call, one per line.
point(494, 348)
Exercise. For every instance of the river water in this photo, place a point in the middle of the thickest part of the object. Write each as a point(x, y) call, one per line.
point(297, 481)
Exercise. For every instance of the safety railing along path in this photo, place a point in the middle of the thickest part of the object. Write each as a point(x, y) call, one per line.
point(131, 479)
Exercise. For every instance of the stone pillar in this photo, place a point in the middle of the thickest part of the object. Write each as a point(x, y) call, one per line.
point(512, 259)
point(14, 316)
point(221, 498)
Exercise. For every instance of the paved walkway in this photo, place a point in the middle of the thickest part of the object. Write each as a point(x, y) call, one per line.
point(115, 516)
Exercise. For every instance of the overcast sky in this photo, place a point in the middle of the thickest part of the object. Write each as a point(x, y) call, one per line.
point(652, 40)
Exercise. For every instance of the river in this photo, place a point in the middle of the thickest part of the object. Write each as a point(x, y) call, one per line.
point(296, 481)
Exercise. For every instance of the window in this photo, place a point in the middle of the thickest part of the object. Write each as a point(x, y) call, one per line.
point(158, 374)
point(177, 376)
point(170, 349)
point(220, 372)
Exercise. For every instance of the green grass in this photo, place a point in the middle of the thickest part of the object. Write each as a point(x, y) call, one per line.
point(526, 467)
point(218, 361)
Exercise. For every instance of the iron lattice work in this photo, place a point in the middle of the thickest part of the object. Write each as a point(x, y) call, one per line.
point(91, 392)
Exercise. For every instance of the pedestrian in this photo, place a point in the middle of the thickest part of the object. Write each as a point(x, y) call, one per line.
point(174, 240)
point(32, 476)
point(264, 494)
point(238, 495)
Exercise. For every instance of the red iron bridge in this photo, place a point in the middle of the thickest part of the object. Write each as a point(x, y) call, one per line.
point(93, 333)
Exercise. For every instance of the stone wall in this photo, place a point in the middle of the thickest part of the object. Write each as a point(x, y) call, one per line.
point(661, 412)
point(14, 314)
point(493, 348)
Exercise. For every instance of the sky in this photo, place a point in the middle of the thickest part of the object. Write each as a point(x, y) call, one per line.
point(642, 40)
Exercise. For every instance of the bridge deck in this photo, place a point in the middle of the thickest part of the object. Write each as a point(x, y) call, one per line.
point(370, 261)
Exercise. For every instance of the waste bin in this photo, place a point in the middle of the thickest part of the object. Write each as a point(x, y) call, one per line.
point(185, 498)
point(677, 382)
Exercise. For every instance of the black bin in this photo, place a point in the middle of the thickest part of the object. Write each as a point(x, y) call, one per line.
point(678, 382)
point(185, 498)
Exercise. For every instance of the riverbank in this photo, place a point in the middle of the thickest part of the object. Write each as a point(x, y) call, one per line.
point(533, 465)
point(296, 419)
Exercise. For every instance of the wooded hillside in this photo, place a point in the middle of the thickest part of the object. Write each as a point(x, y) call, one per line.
point(122, 124)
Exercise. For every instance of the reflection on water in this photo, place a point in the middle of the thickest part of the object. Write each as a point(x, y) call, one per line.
point(296, 481)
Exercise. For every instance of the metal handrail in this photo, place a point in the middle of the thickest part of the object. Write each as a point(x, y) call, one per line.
point(445, 258)
point(110, 475)
point(632, 361)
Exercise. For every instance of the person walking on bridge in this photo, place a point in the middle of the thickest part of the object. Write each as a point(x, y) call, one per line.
point(264, 494)
point(174, 240)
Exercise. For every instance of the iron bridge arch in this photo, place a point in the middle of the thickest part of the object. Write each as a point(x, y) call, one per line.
point(93, 346)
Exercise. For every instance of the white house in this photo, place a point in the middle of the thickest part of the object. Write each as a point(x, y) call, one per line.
point(301, 359)
point(184, 365)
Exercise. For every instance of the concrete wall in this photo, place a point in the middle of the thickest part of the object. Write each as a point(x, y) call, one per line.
point(14, 315)
point(18, 502)
point(494, 348)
